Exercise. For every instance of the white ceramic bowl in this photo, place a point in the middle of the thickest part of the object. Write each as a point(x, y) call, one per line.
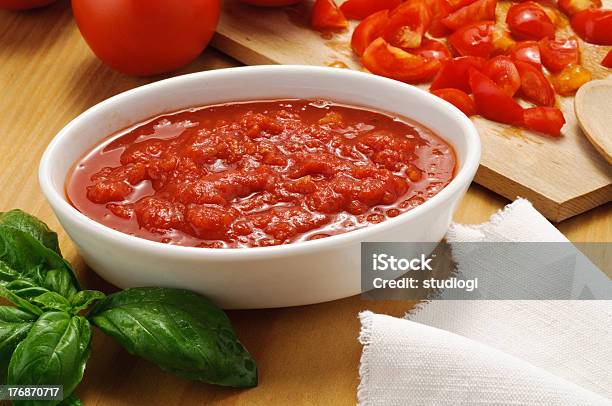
point(287, 275)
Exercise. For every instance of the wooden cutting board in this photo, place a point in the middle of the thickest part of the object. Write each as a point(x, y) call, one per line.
point(562, 177)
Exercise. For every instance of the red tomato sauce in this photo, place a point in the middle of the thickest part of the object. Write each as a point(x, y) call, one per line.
point(259, 173)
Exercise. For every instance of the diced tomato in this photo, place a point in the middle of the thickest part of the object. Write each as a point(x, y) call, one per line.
point(438, 9)
point(492, 102)
point(383, 59)
point(571, 7)
point(527, 51)
point(570, 79)
point(432, 49)
point(529, 21)
point(480, 10)
point(534, 85)
point(407, 24)
point(558, 53)
point(502, 41)
point(594, 26)
point(502, 71)
point(458, 98)
point(368, 30)
point(454, 73)
point(326, 15)
point(360, 9)
point(473, 39)
point(547, 120)
point(607, 61)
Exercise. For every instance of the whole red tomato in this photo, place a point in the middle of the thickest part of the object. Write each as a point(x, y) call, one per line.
point(23, 4)
point(146, 37)
point(271, 3)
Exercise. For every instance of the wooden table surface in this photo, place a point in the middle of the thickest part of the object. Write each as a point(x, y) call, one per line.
point(306, 355)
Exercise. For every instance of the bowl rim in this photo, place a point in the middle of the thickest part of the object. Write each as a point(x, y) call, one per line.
point(462, 178)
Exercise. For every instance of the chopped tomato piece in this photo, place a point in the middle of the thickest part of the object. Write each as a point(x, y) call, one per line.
point(407, 24)
point(368, 30)
point(480, 10)
point(458, 98)
point(558, 53)
point(454, 73)
point(492, 102)
point(547, 120)
point(594, 26)
point(502, 41)
point(432, 49)
point(360, 9)
point(473, 39)
point(502, 71)
point(529, 21)
point(326, 15)
point(527, 51)
point(438, 9)
point(570, 79)
point(571, 7)
point(607, 61)
point(383, 59)
point(534, 85)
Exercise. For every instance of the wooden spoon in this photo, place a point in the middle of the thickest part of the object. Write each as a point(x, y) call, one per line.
point(593, 105)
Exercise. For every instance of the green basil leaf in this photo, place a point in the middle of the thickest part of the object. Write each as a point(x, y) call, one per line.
point(25, 289)
point(53, 301)
point(38, 295)
point(7, 274)
point(11, 314)
point(23, 286)
point(14, 326)
point(21, 303)
point(85, 298)
point(10, 277)
point(29, 224)
point(178, 330)
point(31, 260)
point(60, 281)
point(54, 352)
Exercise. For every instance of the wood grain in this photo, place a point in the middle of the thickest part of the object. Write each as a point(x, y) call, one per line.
point(595, 116)
point(307, 355)
point(562, 177)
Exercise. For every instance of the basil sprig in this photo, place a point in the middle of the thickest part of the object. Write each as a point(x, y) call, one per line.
point(46, 339)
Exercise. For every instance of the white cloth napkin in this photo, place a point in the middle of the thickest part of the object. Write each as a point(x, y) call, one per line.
point(505, 352)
